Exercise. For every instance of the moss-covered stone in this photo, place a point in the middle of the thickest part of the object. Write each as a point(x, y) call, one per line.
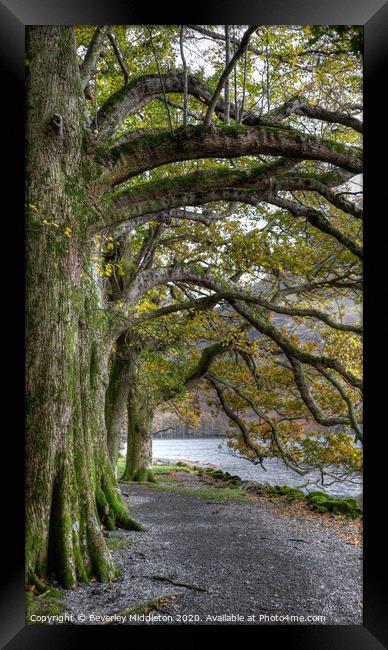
point(291, 493)
point(324, 503)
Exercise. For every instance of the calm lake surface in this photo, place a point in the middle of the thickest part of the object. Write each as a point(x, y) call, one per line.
point(213, 451)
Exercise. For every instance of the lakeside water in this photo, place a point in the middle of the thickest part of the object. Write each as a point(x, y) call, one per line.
point(213, 451)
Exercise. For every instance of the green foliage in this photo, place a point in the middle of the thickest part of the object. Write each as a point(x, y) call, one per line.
point(342, 36)
point(262, 245)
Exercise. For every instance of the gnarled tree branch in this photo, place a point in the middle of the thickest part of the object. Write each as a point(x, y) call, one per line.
point(146, 152)
point(142, 90)
point(314, 408)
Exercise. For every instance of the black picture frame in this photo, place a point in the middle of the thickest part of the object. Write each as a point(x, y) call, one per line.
point(373, 14)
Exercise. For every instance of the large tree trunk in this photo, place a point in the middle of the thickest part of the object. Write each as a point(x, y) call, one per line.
point(138, 466)
point(117, 397)
point(70, 487)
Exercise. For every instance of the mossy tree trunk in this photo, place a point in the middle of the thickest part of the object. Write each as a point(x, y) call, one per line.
point(70, 486)
point(138, 466)
point(140, 411)
point(117, 397)
point(141, 403)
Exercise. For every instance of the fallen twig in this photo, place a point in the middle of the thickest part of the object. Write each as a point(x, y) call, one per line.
point(173, 582)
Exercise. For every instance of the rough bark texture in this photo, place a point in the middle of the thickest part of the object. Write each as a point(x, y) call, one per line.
point(141, 407)
point(143, 89)
point(134, 155)
point(138, 466)
point(117, 397)
point(71, 489)
point(138, 204)
point(70, 486)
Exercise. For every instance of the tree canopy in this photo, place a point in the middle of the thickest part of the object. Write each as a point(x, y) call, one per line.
point(277, 215)
point(208, 219)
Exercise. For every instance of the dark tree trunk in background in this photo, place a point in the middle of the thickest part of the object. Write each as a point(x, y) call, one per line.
point(70, 486)
point(140, 411)
point(138, 465)
point(126, 396)
point(117, 397)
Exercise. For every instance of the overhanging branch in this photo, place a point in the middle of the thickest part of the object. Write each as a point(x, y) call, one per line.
point(145, 152)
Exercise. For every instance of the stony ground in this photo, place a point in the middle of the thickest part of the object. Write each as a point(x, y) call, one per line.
point(258, 558)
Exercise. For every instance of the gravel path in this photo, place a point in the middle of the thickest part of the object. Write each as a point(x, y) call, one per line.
point(204, 558)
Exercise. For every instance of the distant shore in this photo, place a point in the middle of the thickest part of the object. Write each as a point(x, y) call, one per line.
point(213, 452)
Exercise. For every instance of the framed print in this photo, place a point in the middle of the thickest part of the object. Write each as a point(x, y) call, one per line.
point(191, 261)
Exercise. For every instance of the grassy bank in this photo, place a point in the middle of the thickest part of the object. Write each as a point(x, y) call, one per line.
point(218, 484)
